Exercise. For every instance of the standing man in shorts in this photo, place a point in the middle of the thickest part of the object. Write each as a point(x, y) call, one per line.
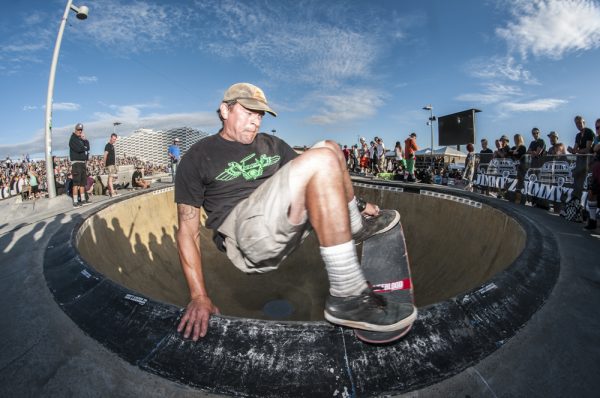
point(110, 163)
point(262, 199)
point(78, 153)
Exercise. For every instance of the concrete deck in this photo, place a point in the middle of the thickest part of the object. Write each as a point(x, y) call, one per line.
point(43, 353)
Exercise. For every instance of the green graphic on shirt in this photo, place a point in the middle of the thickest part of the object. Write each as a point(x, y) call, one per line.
point(250, 171)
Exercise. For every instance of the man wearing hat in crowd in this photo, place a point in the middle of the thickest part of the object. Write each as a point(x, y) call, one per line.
point(174, 156)
point(503, 149)
point(137, 178)
point(410, 147)
point(78, 153)
point(556, 148)
point(262, 199)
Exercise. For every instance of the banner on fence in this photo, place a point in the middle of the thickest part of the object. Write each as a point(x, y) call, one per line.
point(553, 178)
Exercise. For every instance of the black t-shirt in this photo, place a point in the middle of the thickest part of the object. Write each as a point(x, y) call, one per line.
point(110, 159)
point(485, 155)
point(520, 151)
point(504, 151)
point(217, 174)
point(536, 144)
point(136, 176)
point(582, 139)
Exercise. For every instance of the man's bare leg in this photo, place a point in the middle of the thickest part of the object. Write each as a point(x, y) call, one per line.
point(321, 186)
point(111, 189)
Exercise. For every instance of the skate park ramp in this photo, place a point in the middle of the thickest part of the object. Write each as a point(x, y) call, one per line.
point(453, 246)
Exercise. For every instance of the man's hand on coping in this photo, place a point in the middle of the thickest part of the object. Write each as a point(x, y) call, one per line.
point(195, 319)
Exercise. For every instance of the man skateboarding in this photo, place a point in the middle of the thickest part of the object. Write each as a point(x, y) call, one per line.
point(262, 199)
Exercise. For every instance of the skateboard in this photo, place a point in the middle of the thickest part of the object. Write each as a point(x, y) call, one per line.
point(385, 265)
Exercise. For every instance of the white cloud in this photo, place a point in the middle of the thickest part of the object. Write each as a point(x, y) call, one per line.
point(303, 41)
point(22, 48)
point(540, 105)
point(493, 93)
point(133, 27)
point(65, 106)
point(552, 28)
point(87, 79)
point(30, 108)
point(500, 68)
point(351, 104)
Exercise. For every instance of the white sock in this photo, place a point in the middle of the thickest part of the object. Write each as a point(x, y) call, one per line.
point(356, 221)
point(345, 276)
point(593, 207)
point(74, 198)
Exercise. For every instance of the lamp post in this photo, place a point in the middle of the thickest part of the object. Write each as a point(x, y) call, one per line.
point(115, 124)
point(82, 13)
point(430, 123)
point(273, 131)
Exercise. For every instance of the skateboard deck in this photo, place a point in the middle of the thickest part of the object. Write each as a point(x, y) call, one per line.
point(385, 265)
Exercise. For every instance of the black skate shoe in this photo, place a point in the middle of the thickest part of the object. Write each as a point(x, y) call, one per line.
point(369, 311)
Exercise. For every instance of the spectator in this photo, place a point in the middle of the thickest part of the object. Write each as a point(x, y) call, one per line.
point(594, 183)
point(537, 147)
point(98, 186)
point(355, 158)
point(486, 154)
point(380, 148)
point(137, 179)
point(469, 167)
point(400, 162)
point(33, 181)
point(583, 139)
point(78, 152)
point(174, 156)
point(517, 152)
point(365, 157)
point(556, 148)
point(110, 164)
point(374, 159)
point(410, 147)
point(346, 153)
point(502, 148)
point(596, 143)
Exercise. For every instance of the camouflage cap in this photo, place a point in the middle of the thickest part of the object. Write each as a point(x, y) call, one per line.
point(504, 138)
point(249, 96)
point(553, 134)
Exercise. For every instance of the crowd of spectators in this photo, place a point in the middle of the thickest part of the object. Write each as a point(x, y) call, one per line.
point(27, 178)
point(372, 159)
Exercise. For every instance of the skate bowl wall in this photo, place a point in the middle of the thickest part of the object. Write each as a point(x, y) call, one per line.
point(133, 244)
point(481, 269)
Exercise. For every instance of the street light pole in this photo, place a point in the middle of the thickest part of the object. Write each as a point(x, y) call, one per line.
point(82, 13)
point(115, 124)
point(431, 120)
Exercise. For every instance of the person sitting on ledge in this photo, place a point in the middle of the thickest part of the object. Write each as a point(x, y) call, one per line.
point(262, 199)
point(137, 179)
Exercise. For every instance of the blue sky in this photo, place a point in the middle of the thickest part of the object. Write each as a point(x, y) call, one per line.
point(331, 69)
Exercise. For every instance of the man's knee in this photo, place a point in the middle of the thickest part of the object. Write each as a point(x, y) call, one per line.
point(323, 158)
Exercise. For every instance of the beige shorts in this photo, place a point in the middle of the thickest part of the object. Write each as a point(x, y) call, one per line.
point(112, 169)
point(258, 234)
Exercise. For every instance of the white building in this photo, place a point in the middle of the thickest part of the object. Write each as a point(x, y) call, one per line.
point(150, 145)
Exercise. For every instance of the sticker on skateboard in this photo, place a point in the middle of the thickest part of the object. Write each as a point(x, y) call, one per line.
point(385, 265)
